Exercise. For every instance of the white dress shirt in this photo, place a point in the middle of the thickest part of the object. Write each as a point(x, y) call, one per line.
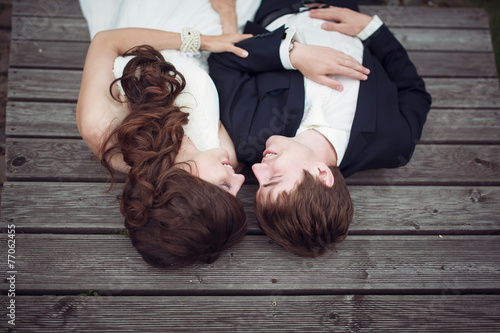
point(326, 110)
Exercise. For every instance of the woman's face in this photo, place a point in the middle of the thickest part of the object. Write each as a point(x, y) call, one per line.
point(213, 166)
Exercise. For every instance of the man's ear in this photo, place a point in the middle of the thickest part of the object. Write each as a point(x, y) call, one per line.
point(325, 175)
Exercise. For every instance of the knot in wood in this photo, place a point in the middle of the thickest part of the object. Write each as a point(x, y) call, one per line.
point(18, 161)
point(475, 195)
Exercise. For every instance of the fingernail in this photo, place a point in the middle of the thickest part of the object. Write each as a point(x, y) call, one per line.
point(324, 26)
point(339, 88)
point(365, 77)
point(244, 54)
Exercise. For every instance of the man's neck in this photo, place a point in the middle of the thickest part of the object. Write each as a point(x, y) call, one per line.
point(320, 145)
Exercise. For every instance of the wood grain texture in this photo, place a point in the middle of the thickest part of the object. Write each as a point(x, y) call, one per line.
point(55, 159)
point(31, 119)
point(86, 208)
point(64, 85)
point(425, 17)
point(64, 264)
point(276, 313)
point(440, 164)
point(58, 55)
point(49, 28)
point(393, 15)
point(39, 84)
point(71, 160)
point(462, 126)
point(453, 64)
point(48, 8)
point(421, 256)
point(48, 54)
point(464, 93)
point(75, 30)
point(443, 39)
point(41, 119)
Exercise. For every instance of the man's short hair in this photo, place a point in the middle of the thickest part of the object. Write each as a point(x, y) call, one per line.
point(310, 218)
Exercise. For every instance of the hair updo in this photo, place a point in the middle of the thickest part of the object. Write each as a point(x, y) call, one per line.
point(174, 218)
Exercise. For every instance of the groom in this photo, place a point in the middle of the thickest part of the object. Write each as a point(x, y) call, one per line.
point(309, 136)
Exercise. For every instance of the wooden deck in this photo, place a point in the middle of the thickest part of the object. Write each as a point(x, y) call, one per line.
point(423, 252)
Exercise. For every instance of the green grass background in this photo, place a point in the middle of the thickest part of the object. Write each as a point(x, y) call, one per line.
point(492, 7)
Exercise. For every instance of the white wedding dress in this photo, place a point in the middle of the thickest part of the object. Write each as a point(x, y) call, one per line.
point(200, 97)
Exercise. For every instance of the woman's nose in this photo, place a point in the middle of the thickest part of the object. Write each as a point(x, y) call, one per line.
point(237, 180)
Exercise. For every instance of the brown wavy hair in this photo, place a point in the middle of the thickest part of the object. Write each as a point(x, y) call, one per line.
point(308, 219)
point(174, 218)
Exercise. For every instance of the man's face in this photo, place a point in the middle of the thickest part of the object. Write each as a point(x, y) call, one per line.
point(282, 166)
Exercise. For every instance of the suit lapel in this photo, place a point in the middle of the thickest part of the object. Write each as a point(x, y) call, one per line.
point(365, 119)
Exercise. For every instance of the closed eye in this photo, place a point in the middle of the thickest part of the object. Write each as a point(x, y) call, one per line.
point(225, 186)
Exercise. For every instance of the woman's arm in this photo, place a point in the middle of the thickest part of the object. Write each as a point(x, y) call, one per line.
point(97, 112)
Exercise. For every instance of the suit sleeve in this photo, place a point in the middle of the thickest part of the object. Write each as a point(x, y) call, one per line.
point(263, 54)
point(253, 93)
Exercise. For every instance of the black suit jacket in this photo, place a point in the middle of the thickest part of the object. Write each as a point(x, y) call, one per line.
point(259, 98)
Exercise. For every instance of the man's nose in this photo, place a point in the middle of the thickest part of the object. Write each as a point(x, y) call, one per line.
point(260, 170)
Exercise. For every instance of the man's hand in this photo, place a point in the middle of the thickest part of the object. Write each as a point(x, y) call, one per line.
point(318, 62)
point(227, 13)
point(343, 20)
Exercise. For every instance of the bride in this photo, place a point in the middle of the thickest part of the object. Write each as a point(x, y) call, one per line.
point(155, 116)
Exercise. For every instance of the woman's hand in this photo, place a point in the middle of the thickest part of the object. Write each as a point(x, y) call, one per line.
point(318, 62)
point(224, 43)
point(343, 20)
point(227, 13)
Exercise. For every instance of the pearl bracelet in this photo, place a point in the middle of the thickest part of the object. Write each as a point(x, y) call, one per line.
point(191, 42)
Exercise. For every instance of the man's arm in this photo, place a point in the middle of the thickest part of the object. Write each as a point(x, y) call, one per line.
point(314, 62)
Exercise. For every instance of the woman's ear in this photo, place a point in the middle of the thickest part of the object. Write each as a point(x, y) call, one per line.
point(325, 175)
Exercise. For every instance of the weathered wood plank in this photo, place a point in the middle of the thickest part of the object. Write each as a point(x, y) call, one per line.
point(444, 39)
point(462, 126)
point(38, 84)
point(335, 313)
point(47, 8)
point(54, 54)
point(84, 207)
point(425, 17)
point(440, 164)
point(393, 15)
point(64, 85)
point(67, 264)
point(454, 64)
point(71, 160)
point(454, 93)
point(55, 159)
point(67, 29)
point(41, 119)
point(48, 54)
point(49, 28)
point(62, 207)
point(26, 119)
